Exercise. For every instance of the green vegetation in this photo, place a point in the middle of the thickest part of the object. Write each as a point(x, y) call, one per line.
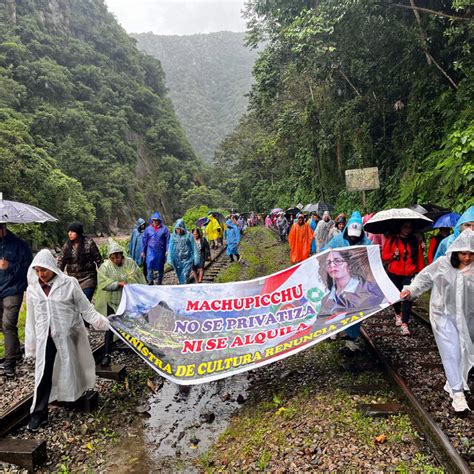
point(352, 84)
point(208, 76)
point(86, 128)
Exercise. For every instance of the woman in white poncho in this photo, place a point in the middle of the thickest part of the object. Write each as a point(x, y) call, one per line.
point(451, 279)
point(56, 336)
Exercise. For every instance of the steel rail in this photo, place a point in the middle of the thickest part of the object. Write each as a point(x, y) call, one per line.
point(445, 452)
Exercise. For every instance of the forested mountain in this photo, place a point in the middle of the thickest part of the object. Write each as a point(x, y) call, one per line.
point(351, 84)
point(86, 128)
point(208, 76)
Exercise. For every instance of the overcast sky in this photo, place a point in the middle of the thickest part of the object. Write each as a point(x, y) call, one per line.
point(178, 17)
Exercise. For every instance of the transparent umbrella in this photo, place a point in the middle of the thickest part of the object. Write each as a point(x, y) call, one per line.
point(12, 212)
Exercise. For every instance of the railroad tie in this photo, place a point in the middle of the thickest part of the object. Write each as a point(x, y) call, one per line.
point(27, 453)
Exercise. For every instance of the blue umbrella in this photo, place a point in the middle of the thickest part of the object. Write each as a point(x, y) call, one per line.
point(448, 220)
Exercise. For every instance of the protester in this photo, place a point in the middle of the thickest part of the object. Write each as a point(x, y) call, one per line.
point(232, 236)
point(155, 241)
point(241, 224)
point(451, 280)
point(376, 239)
point(56, 336)
point(466, 221)
point(321, 234)
point(313, 224)
point(115, 273)
point(213, 231)
point(15, 258)
point(80, 258)
point(204, 252)
point(282, 225)
point(135, 246)
point(353, 234)
point(348, 285)
point(404, 258)
point(300, 238)
point(340, 223)
point(268, 221)
point(435, 241)
point(182, 252)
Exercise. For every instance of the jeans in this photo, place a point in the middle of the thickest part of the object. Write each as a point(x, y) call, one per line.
point(9, 310)
point(405, 306)
point(150, 276)
point(89, 292)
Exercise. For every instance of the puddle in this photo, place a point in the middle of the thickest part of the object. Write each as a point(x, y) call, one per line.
point(182, 422)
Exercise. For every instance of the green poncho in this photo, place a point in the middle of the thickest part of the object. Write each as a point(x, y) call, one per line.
point(109, 293)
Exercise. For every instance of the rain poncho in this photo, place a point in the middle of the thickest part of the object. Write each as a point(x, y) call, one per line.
point(60, 315)
point(109, 292)
point(468, 216)
point(321, 234)
point(313, 224)
point(213, 229)
point(182, 253)
point(341, 239)
point(300, 238)
point(135, 246)
point(451, 310)
point(232, 237)
point(155, 244)
point(282, 224)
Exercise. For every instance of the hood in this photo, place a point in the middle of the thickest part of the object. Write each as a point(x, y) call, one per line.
point(156, 215)
point(113, 247)
point(464, 243)
point(180, 225)
point(44, 258)
point(139, 222)
point(468, 216)
point(355, 217)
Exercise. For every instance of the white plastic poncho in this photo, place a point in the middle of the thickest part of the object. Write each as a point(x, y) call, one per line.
point(60, 314)
point(451, 310)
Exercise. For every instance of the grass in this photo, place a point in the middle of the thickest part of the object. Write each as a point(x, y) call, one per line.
point(21, 330)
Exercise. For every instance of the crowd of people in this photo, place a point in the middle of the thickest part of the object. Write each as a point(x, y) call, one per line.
point(59, 291)
point(447, 269)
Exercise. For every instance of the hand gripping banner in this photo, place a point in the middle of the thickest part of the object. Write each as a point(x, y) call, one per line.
point(192, 334)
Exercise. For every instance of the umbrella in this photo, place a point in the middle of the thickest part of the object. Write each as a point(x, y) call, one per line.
point(389, 221)
point(202, 221)
point(276, 210)
point(448, 220)
point(13, 212)
point(310, 208)
point(218, 216)
point(292, 210)
point(431, 211)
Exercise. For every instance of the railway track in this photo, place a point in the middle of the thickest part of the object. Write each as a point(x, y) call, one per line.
point(17, 394)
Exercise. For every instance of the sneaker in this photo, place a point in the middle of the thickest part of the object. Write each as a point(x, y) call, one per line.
point(36, 421)
point(404, 330)
point(8, 369)
point(353, 346)
point(106, 360)
point(398, 320)
point(459, 402)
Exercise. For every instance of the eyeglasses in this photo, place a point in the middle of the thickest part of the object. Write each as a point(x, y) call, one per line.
point(337, 262)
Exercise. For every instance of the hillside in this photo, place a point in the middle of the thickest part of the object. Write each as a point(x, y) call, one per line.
point(87, 130)
point(208, 76)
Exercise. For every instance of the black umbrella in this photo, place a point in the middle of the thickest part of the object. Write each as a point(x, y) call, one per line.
point(292, 211)
point(218, 216)
point(431, 211)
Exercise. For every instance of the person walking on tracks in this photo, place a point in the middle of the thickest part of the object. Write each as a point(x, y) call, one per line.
point(135, 246)
point(182, 252)
point(300, 238)
point(204, 252)
point(56, 336)
point(15, 258)
point(451, 280)
point(155, 242)
point(232, 237)
point(80, 258)
point(115, 273)
point(282, 225)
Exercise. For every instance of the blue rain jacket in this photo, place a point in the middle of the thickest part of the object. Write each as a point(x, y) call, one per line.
point(135, 246)
point(313, 225)
point(182, 252)
point(232, 237)
point(18, 254)
point(155, 244)
point(341, 240)
point(443, 246)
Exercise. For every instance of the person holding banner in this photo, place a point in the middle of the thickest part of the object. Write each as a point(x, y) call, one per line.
point(182, 252)
point(451, 280)
point(116, 272)
point(300, 238)
point(56, 337)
